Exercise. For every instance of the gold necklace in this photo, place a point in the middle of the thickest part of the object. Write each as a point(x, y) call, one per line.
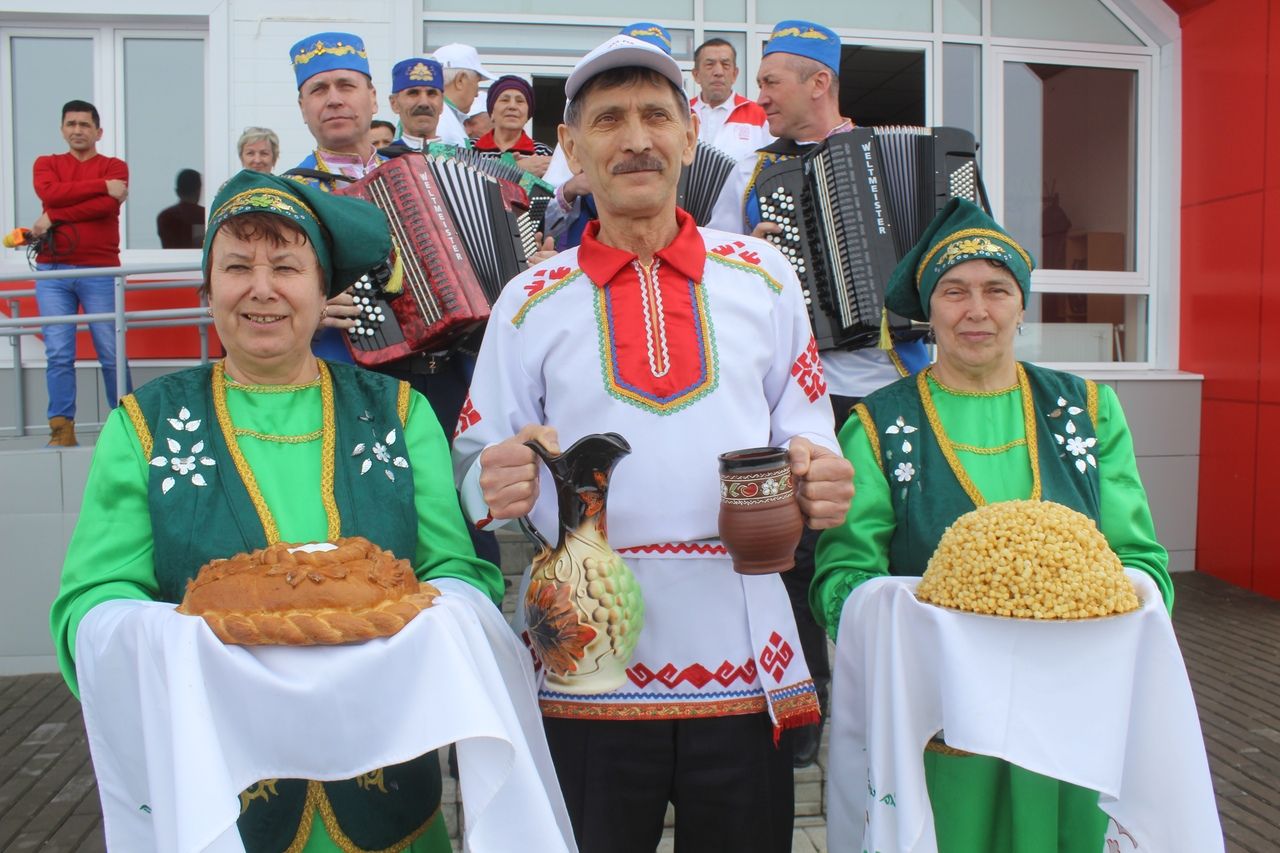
point(328, 444)
point(948, 448)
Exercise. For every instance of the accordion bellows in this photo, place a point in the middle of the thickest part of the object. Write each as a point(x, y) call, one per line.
point(461, 235)
point(280, 595)
point(1030, 560)
point(852, 207)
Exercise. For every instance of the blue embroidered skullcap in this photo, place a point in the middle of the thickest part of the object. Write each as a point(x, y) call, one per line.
point(416, 71)
point(328, 52)
point(647, 31)
point(805, 38)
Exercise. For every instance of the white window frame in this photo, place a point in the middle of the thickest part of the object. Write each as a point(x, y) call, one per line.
point(8, 173)
point(1139, 281)
point(108, 93)
point(1155, 274)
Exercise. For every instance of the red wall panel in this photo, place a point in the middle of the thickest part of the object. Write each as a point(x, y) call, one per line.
point(1271, 105)
point(1266, 536)
point(1269, 345)
point(1224, 530)
point(1221, 280)
point(1224, 83)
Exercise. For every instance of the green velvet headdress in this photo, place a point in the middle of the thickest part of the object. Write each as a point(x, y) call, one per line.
point(365, 237)
point(960, 232)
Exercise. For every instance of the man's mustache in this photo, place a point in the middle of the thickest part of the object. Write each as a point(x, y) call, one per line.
point(638, 164)
point(423, 110)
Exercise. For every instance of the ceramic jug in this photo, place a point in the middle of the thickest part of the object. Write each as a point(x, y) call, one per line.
point(582, 610)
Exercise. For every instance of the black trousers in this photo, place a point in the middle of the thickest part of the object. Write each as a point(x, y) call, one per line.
point(731, 787)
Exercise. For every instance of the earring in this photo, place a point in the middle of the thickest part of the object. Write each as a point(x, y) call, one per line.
point(209, 310)
point(1019, 328)
point(324, 312)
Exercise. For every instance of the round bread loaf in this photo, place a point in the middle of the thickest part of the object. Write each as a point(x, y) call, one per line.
point(281, 595)
point(1030, 560)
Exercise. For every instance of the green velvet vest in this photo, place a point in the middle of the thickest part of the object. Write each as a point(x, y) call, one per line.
point(926, 494)
point(201, 510)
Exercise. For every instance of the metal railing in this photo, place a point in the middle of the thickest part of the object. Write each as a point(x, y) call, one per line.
point(15, 325)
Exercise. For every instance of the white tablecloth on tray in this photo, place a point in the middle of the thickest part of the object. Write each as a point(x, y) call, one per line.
point(179, 724)
point(1102, 703)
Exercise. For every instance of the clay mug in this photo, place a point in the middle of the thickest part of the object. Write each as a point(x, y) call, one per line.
point(760, 521)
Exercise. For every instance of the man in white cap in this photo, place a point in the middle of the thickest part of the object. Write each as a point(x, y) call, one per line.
point(463, 72)
point(689, 343)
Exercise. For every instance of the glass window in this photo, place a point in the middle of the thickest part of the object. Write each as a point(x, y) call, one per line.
point(64, 69)
point(724, 10)
point(880, 85)
point(962, 87)
point(536, 40)
point(902, 15)
point(1083, 327)
point(1059, 20)
point(163, 127)
point(654, 10)
point(548, 97)
point(1070, 164)
point(962, 16)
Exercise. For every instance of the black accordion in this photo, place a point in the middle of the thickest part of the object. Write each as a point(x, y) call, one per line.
point(702, 180)
point(461, 235)
point(852, 207)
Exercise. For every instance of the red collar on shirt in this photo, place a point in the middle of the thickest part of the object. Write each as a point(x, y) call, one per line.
point(524, 145)
point(686, 254)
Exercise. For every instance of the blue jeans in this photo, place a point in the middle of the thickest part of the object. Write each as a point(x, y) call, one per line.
point(65, 296)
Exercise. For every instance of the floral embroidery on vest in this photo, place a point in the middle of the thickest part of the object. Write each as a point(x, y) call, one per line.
point(380, 451)
point(1078, 446)
point(183, 464)
point(905, 471)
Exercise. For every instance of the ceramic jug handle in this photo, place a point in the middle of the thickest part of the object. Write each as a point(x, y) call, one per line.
point(532, 534)
point(526, 524)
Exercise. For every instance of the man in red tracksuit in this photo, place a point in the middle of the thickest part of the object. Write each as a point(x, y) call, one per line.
point(81, 193)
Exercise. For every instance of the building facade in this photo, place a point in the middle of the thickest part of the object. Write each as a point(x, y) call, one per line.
point(1077, 105)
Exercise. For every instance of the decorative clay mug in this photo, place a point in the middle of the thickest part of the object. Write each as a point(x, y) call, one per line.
point(760, 521)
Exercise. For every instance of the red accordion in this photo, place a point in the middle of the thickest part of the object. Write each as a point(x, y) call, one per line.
point(460, 235)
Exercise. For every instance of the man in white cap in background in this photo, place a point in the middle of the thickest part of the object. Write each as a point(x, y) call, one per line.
point(463, 72)
point(689, 343)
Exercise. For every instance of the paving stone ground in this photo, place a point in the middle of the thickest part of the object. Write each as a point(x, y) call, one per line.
point(1230, 639)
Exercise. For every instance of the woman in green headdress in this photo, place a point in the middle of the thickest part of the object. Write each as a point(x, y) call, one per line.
point(979, 427)
point(274, 445)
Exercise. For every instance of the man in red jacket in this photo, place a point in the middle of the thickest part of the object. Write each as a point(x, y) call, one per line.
point(727, 120)
point(81, 193)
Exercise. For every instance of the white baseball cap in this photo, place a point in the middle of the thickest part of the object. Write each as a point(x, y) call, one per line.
point(461, 56)
point(620, 52)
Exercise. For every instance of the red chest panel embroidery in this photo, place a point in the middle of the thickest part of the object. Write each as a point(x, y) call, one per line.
point(656, 341)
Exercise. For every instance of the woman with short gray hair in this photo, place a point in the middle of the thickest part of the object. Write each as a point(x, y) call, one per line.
point(259, 149)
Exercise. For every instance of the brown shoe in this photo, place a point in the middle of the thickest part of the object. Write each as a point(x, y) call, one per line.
point(62, 432)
